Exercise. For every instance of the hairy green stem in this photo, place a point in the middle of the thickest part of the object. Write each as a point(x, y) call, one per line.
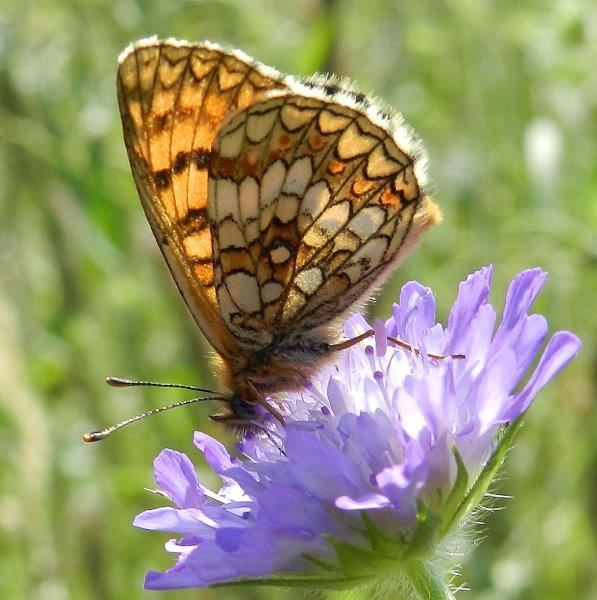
point(416, 580)
point(428, 581)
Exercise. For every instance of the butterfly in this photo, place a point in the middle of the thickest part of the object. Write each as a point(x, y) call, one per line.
point(279, 204)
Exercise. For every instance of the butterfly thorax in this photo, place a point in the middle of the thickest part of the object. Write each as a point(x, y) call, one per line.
point(282, 366)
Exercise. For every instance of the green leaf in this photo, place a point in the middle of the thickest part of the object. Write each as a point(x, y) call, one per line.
point(354, 560)
point(297, 580)
point(487, 475)
point(320, 563)
point(380, 543)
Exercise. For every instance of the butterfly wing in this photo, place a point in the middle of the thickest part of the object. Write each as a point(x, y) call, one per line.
point(173, 98)
point(311, 201)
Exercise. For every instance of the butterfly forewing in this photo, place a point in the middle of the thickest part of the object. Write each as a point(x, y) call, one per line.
point(309, 203)
point(173, 98)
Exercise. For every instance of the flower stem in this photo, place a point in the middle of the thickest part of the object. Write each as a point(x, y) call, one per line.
point(416, 580)
point(427, 580)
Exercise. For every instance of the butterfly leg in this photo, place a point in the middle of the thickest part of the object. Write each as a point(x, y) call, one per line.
point(397, 342)
point(263, 402)
point(406, 346)
point(351, 342)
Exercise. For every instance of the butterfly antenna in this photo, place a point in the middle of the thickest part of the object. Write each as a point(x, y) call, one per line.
point(351, 342)
point(96, 436)
point(119, 382)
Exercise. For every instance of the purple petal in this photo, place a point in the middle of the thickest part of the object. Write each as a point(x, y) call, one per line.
point(171, 580)
point(319, 468)
point(416, 309)
point(338, 395)
point(307, 513)
point(174, 473)
point(381, 342)
point(521, 294)
point(525, 339)
point(364, 502)
point(400, 488)
point(355, 325)
point(472, 294)
point(186, 521)
point(207, 564)
point(229, 538)
point(497, 382)
point(245, 480)
point(216, 455)
point(559, 352)
point(373, 438)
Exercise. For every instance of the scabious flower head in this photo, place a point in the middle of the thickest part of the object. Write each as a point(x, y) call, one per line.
point(383, 454)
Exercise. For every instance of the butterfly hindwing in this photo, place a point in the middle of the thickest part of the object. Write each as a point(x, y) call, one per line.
point(173, 98)
point(310, 203)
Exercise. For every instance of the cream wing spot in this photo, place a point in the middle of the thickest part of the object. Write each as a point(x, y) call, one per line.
point(330, 122)
point(226, 200)
point(230, 235)
point(403, 225)
point(354, 143)
point(293, 118)
point(251, 231)
point(249, 199)
point(367, 221)
point(244, 292)
point(295, 301)
point(367, 258)
point(308, 281)
point(249, 208)
point(329, 223)
point(279, 255)
point(231, 141)
point(271, 291)
point(314, 202)
point(345, 241)
point(271, 184)
point(299, 175)
point(228, 79)
point(287, 208)
point(266, 216)
point(198, 245)
point(259, 125)
point(380, 165)
point(227, 308)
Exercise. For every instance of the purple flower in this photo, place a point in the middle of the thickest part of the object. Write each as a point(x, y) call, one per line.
point(382, 456)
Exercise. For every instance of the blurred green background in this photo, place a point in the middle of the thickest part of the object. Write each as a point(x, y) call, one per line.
point(504, 95)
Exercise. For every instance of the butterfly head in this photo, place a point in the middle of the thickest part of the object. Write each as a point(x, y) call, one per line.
point(247, 410)
point(241, 415)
